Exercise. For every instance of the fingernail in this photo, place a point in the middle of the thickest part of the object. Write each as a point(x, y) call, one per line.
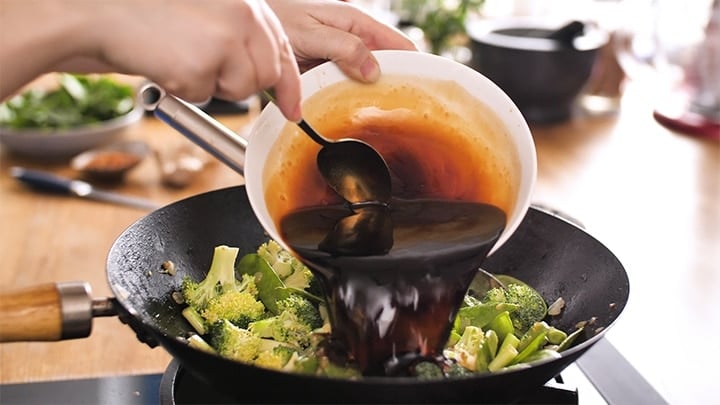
point(370, 70)
point(296, 114)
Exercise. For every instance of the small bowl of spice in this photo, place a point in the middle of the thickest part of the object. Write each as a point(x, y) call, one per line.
point(111, 162)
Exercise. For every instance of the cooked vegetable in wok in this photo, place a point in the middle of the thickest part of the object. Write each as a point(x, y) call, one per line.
point(265, 309)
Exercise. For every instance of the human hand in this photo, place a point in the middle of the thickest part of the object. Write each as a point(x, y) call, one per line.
point(321, 30)
point(225, 48)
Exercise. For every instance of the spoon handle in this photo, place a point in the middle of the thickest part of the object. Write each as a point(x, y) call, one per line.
point(310, 131)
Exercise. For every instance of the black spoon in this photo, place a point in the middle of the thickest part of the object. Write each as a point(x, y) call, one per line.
point(351, 167)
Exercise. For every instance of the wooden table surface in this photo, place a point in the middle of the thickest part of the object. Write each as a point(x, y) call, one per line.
point(649, 194)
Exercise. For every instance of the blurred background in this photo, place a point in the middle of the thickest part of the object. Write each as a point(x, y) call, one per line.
point(671, 46)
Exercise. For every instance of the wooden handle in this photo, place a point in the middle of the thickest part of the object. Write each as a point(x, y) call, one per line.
point(46, 312)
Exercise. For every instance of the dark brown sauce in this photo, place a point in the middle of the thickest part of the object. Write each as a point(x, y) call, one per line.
point(397, 275)
point(396, 278)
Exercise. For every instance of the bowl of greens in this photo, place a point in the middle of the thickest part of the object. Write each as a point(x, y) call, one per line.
point(80, 113)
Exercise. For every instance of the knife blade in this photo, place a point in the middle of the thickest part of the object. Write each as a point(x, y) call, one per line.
point(50, 182)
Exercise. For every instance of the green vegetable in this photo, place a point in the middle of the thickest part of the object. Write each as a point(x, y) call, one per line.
point(233, 342)
point(440, 21)
point(238, 307)
point(427, 370)
point(541, 355)
point(305, 310)
point(532, 306)
point(260, 320)
point(480, 314)
point(195, 320)
point(556, 336)
point(533, 340)
point(78, 100)
point(506, 353)
point(304, 364)
point(292, 272)
point(199, 343)
point(276, 356)
point(492, 340)
point(285, 327)
point(468, 351)
point(502, 325)
point(565, 344)
point(219, 279)
point(270, 287)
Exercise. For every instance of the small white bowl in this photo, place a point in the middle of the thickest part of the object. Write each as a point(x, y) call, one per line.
point(472, 101)
point(65, 143)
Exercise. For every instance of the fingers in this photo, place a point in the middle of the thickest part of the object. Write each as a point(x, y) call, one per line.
point(287, 88)
point(262, 61)
point(338, 31)
point(235, 49)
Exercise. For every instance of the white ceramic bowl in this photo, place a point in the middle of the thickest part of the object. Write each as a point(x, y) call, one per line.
point(473, 106)
point(65, 143)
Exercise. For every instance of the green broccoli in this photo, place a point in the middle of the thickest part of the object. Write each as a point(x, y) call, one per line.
point(286, 328)
point(274, 355)
point(292, 272)
point(238, 307)
point(305, 310)
point(531, 305)
point(469, 351)
point(219, 279)
point(233, 342)
point(306, 363)
point(456, 370)
point(428, 370)
point(221, 295)
point(328, 368)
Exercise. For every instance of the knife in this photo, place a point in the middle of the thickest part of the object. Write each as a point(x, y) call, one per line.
point(49, 182)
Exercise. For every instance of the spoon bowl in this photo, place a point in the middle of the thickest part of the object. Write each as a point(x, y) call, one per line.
point(351, 167)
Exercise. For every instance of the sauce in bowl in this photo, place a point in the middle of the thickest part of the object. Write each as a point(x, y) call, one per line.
point(395, 276)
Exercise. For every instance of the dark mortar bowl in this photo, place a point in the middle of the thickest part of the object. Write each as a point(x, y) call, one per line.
point(542, 76)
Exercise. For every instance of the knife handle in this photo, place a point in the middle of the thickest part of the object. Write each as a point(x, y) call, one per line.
point(42, 181)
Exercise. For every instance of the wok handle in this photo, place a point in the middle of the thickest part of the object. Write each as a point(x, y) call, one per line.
point(46, 312)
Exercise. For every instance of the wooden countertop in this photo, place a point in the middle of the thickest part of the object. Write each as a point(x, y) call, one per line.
point(651, 195)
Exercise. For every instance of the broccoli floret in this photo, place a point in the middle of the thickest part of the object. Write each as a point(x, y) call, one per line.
point(233, 342)
point(305, 310)
point(199, 343)
point(469, 351)
point(306, 363)
point(292, 272)
point(531, 305)
point(286, 328)
point(219, 279)
point(328, 368)
point(427, 370)
point(275, 357)
point(456, 370)
point(238, 307)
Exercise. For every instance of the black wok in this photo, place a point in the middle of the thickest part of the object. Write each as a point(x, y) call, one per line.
point(556, 257)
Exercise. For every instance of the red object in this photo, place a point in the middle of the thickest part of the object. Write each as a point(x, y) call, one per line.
point(677, 115)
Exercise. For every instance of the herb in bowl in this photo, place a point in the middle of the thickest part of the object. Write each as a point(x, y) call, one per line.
point(78, 101)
